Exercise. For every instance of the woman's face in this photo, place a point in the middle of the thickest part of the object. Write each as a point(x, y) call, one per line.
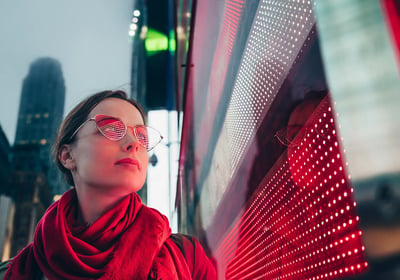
point(116, 167)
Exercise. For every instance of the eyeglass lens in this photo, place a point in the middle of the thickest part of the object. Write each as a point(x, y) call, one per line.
point(114, 129)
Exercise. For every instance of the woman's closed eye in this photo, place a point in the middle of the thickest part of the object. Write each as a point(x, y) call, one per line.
point(110, 128)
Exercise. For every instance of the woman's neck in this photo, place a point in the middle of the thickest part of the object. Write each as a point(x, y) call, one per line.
point(94, 203)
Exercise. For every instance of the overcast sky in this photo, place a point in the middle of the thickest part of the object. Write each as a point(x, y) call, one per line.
point(88, 37)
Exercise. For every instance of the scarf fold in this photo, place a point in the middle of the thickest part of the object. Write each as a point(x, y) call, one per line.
point(127, 242)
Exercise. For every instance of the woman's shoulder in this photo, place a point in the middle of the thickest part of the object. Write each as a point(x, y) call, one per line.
point(3, 268)
point(6, 264)
point(185, 243)
point(199, 263)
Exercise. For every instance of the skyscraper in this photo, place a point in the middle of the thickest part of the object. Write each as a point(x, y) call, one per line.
point(5, 169)
point(40, 114)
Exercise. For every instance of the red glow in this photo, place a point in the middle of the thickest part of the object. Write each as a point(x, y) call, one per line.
point(391, 10)
point(301, 222)
point(222, 56)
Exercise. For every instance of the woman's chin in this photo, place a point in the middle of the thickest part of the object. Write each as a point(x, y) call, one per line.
point(129, 188)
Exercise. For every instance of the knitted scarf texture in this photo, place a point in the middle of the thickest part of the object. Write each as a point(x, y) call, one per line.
point(127, 242)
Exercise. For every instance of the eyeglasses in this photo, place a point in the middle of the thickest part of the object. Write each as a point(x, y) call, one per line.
point(291, 135)
point(115, 129)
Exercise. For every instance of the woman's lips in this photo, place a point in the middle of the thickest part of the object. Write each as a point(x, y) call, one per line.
point(128, 162)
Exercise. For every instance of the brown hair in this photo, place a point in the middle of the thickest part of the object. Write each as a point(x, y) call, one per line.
point(77, 116)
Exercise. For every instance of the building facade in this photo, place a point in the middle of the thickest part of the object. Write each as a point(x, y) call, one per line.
point(40, 114)
point(6, 204)
point(5, 150)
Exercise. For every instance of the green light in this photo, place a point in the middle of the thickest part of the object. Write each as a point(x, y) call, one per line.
point(157, 41)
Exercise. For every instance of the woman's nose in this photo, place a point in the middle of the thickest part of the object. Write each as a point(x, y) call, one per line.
point(130, 141)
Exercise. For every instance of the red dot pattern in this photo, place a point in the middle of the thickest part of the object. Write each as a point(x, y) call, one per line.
point(301, 222)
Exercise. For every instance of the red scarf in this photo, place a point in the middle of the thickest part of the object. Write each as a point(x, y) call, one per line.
point(125, 243)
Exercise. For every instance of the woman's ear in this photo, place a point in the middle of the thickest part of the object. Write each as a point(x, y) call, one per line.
point(66, 158)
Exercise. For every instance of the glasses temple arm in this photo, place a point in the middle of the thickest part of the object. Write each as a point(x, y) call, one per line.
point(76, 131)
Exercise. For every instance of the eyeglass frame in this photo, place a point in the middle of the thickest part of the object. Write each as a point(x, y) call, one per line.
point(126, 130)
point(304, 129)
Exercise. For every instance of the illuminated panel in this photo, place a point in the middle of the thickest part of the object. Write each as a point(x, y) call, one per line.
point(226, 39)
point(278, 33)
point(233, 10)
point(301, 221)
point(391, 11)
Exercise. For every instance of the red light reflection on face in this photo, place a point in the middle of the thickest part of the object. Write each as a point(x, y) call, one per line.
point(301, 223)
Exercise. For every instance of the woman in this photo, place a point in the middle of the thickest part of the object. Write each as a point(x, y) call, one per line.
point(100, 229)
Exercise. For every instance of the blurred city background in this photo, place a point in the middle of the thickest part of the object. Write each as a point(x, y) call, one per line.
point(53, 56)
point(281, 123)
